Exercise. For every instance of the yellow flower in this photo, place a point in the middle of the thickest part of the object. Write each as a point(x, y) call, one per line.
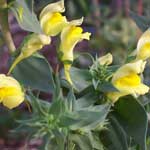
point(51, 19)
point(143, 46)
point(70, 36)
point(106, 59)
point(33, 43)
point(127, 81)
point(11, 94)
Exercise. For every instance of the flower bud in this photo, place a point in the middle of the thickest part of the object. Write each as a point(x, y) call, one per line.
point(106, 59)
point(31, 44)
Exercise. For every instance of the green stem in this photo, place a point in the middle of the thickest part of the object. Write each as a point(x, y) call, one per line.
point(5, 26)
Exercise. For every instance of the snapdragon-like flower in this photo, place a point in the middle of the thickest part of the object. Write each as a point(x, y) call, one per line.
point(127, 81)
point(11, 94)
point(31, 44)
point(70, 36)
point(143, 46)
point(51, 19)
point(106, 59)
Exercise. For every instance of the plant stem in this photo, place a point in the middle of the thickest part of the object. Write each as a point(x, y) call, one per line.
point(5, 26)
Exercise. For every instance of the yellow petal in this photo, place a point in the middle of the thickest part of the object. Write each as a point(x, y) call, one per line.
point(11, 94)
point(67, 72)
point(128, 85)
point(106, 59)
point(143, 46)
point(131, 80)
point(70, 36)
point(130, 68)
point(7, 81)
point(13, 101)
point(141, 89)
point(76, 22)
point(127, 81)
point(114, 96)
point(53, 23)
point(86, 36)
point(52, 8)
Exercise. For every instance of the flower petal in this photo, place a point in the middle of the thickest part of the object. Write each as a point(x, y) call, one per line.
point(11, 94)
point(53, 23)
point(135, 91)
point(135, 67)
point(13, 101)
point(143, 46)
point(77, 22)
point(53, 7)
point(70, 36)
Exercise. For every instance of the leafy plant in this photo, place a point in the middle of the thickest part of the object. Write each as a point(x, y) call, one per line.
point(98, 108)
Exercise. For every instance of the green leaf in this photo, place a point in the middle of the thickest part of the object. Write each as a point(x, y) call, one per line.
point(83, 6)
point(80, 77)
point(142, 22)
point(133, 118)
point(88, 97)
point(95, 140)
point(86, 119)
point(57, 107)
point(23, 11)
point(36, 73)
point(39, 107)
point(82, 141)
point(114, 137)
point(107, 87)
point(60, 139)
point(71, 100)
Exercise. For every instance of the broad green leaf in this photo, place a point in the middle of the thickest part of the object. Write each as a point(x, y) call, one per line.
point(23, 11)
point(107, 87)
point(132, 117)
point(114, 137)
point(86, 119)
point(88, 97)
point(142, 22)
point(80, 77)
point(36, 73)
